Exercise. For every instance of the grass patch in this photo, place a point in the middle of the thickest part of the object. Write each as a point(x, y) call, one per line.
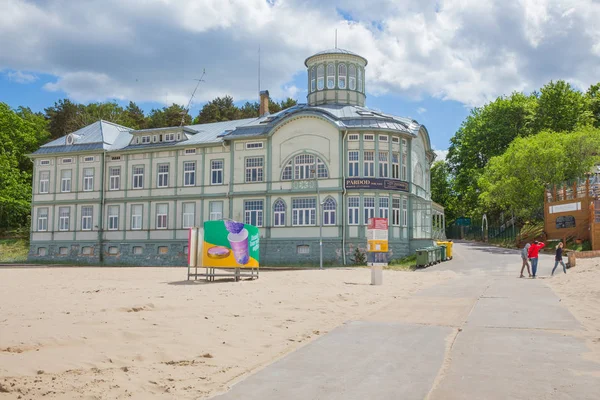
point(13, 250)
point(408, 263)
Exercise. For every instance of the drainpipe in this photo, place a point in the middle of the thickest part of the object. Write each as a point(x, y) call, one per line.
point(101, 214)
point(343, 213)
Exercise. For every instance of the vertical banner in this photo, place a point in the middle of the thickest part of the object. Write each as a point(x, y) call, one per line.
point(192, 245)
point(377, 235)
point(230, 244)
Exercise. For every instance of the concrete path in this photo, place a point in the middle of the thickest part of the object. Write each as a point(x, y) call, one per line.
point(484, 335)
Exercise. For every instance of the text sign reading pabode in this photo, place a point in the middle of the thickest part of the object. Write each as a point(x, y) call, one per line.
point(375, 183)
point(230, 244)
point(377, 235)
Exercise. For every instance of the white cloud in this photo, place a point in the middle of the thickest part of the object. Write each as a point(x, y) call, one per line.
point(21, 77)
point(421, 110)
point(470, 51)
point(440, 154)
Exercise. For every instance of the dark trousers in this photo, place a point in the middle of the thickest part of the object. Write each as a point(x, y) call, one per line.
point(534, 262)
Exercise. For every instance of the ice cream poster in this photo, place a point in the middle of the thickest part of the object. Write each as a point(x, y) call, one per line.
point(230, 244)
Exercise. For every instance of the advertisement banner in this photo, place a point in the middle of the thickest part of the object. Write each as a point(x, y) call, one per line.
point(377, 235)
point(377, 183)
point(230, 244)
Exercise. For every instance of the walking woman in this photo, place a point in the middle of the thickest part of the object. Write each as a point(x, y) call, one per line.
point(533, 255)
point(558, 258)
point(525, 262)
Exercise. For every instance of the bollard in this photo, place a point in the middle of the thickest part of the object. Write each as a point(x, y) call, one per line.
point(376, 275)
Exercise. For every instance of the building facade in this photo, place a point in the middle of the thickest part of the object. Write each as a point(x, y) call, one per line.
point(110, 194)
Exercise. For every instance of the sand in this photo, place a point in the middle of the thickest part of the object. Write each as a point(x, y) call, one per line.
point(579, 290)
point(144, 333)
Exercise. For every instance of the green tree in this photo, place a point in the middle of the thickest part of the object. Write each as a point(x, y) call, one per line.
point(249, 110)
point(217, 110)
point(441, 189)
point(516, 179)
point(134, 117)
point(63, 118)
point(593, 101)
point(561, 108)
point(168, 116)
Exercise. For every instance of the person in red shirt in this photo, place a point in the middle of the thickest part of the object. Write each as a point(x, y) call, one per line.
point(533, 254)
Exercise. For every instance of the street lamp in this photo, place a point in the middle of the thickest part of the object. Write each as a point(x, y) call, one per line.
point(314, 171)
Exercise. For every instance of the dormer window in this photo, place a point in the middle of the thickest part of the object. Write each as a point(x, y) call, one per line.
point(154, 139)
point(342, 76)
point(320, 77)
point(330, 76)
point(70, 140)
point(137, 140)
point(145, 139)
point(352, 77)
point(169, 137)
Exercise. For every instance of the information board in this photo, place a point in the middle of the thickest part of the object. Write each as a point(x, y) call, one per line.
point(377, 235)
point(230, 244)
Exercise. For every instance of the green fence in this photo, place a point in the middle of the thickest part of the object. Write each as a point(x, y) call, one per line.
point(492, 234)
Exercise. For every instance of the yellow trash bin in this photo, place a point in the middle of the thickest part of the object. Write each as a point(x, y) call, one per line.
point(448, 245)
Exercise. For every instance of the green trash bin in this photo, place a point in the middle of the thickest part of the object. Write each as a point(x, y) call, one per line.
point(443, 249)
point(431, 252)
point(422, 257)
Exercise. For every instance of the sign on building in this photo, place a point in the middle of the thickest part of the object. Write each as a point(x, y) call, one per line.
point(377, 183)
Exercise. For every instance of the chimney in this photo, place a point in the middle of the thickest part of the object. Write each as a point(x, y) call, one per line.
point(264, 103)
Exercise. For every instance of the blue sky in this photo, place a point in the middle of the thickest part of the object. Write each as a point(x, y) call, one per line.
point(430, 60)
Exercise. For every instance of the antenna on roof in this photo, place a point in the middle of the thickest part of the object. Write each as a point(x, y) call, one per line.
point(336, 38)
point(187, 109)
point(259, 68)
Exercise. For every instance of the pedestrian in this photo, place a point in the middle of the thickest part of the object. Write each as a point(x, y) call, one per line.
point(533, 254)
point(558, 258)
point(524, 254)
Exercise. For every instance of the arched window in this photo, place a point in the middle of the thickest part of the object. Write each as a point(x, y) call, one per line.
point(330, 76)
point(320, 77)
point(418, 175)
point(302, 167)
point(360, 80)
point(279, 213)
point(352, 77)
point(329, 211)
point(313, 79)
point(342, 76)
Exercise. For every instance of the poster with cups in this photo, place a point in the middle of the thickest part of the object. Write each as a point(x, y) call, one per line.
point(230, 244)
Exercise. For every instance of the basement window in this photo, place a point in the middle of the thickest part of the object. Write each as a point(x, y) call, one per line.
point(303, 249)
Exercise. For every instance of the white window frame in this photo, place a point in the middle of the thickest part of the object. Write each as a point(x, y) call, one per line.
point(88, 159)
point(384, 207)
point(162, 177)
point(353, 163)
point(369, 137)
point(137, 217)
point(188, 217)
point(383, 164)
point(304, 211)
point(352, 77)
point(44, 182)
point(396, 201)
point(115, 158)
point(360, 79)
point(369, 164)
point(65, 182)
point(395, 139)
point(404, 211)
point(354, 210)
point(313, 79)
point(42, 219)
point(395, 165)
point(169, 137)
point(330, 76)
point(253, 209)
point(254, 169)
point(113, 218)
point(114, 178)
point(138, 176)
point(67, 160)
point(368, 209)
point(320, 77)
point(404, 160)
point(87, 213)
point(342, 76)
point(254, 145)
point(287, 173)
point(353, 137)
point(279, 209)
point(88, 180)
point(215, 215)
point(146, 139)
point(216, 171)
point(329, 212)
point(64, 217)
point(384, 138)
point(44, 162)
point(189, 173)
point(162, 215)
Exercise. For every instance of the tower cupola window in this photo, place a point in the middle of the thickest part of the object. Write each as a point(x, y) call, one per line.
point(313, 79)
point(342, 76)
point(352, 77)
point(360, 80)
point(320, 77)
point(330, 76)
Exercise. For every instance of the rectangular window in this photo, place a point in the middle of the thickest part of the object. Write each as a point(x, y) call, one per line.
point(383, 164)
point(138, 176)
point(136, 216)
point(189, 173)
point(395, 139)
point(383, 138)
point(396, 212)
point(216, 172)
point(67, 160)
point(369, 138)
point(44, 162)
point(254, 145)
point(64, 216)
point(279, 213)
point(353, 163)
point(369, 164)
point(155, 138)
point(65, 180)
point(254, 169)
point(303, 249)
point(113, 218)
point(169, 137)
point(42, 221)
point(404, 159)
point(137, 250)
point(190, 151)
point(395, 165)
point(44, 181)
point(404, 212)
point(384, 207)
point(163, 176)
point(329, 212)
point(189, 212)
point(304, 166)
point(353, 207)
point(86, 218)
point(115, 178)
point(353, 137)
point(161, 215)
point(88, 179)
point(304, 212)
point(145, 139)
point(253, 212)
point(88, 159)
point(368, 208)
point(215, 210)
point(115, 158)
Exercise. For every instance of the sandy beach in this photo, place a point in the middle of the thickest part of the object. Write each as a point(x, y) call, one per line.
point(579, 289)
point(112, 333)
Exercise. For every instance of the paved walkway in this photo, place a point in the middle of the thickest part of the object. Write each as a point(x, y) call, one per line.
point(484, 335)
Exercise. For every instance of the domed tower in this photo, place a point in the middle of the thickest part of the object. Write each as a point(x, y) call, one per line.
point(336, 76)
